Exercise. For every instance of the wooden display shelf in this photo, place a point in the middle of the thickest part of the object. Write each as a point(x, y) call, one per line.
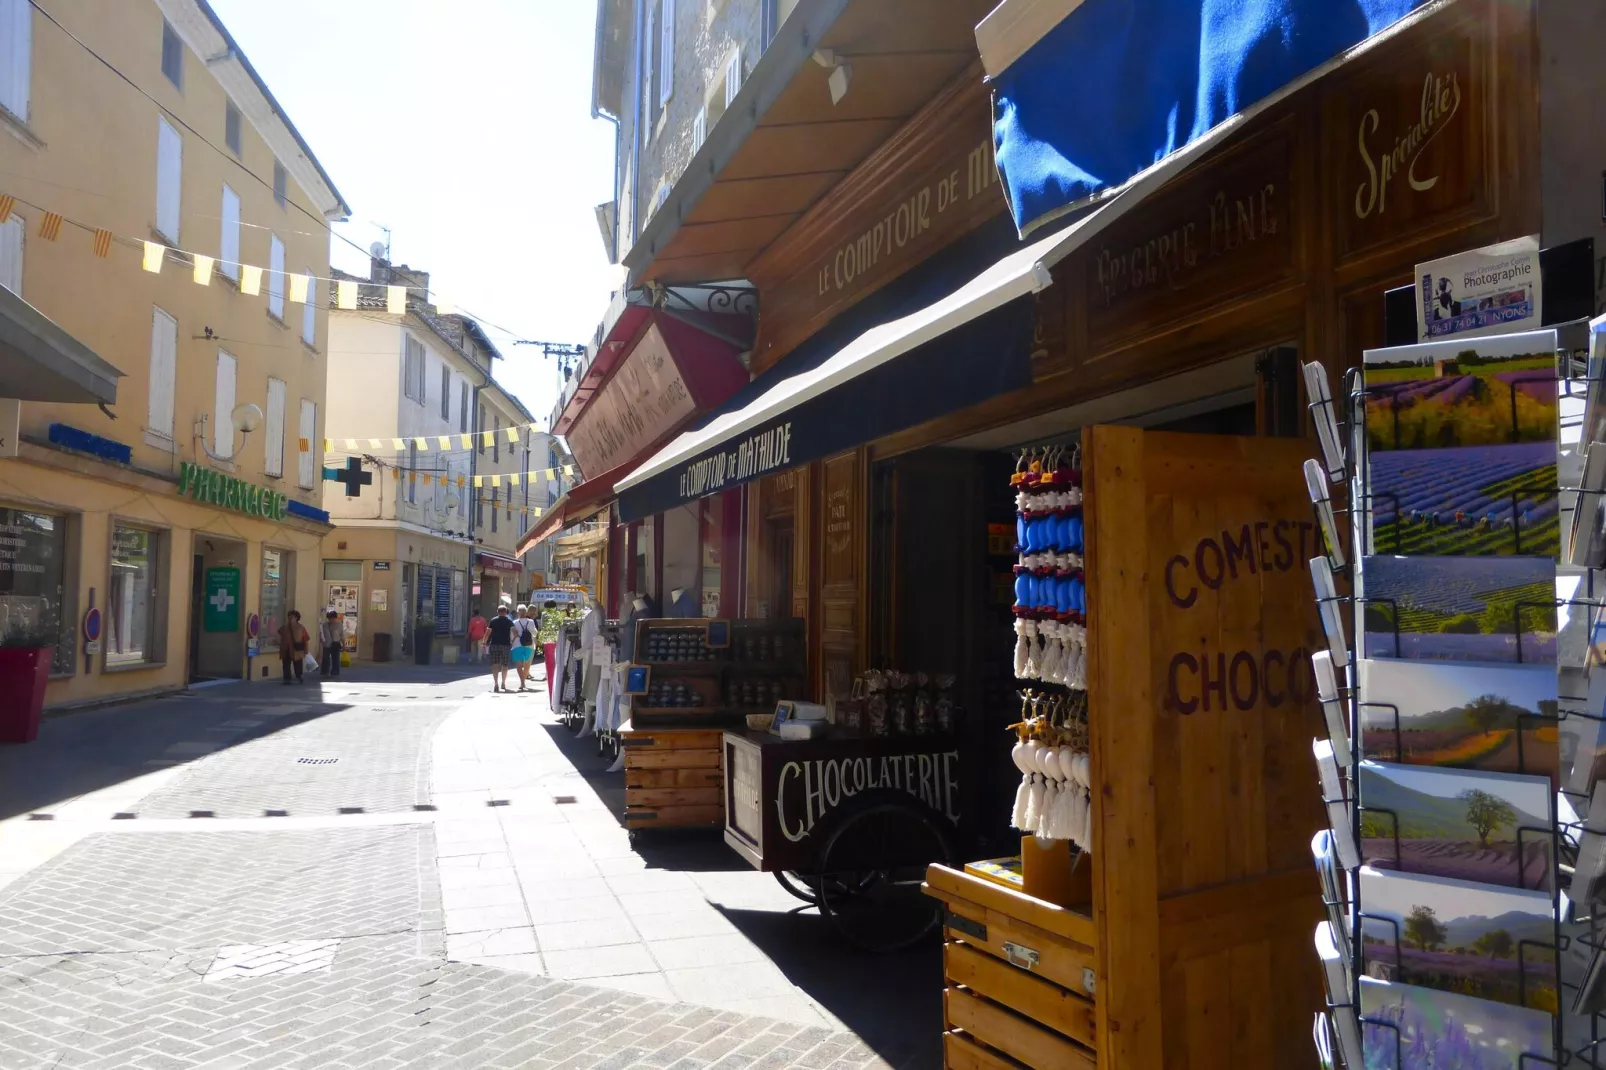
point(1020, 977)
point(672, 777)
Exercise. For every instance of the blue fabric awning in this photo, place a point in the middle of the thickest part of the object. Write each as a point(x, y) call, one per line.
point(1119, 85)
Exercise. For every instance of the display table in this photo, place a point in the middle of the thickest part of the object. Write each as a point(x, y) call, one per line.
point(672, 776)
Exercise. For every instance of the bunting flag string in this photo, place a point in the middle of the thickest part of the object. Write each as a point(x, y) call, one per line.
point(154, 254)
point(438, 444)
point(530, 477)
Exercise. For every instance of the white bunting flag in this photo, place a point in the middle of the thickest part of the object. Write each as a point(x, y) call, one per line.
point(346, 295)
point(155, 253)
point(250, 280)
point(299, 285)
point(444, 307)
point(395, 300)
point(203, 269)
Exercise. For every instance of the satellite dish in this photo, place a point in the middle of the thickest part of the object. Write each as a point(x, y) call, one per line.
point(377, 250)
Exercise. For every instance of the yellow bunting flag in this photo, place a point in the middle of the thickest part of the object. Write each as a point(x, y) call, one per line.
point(568, 469)
point(103, 243)
point(346, 295)
point(486, 438)
point(397, 444)
point(443, 306)
point(50, 225)
point(537, 512)
point(326, 445)
point(250, 280)
point(7, 203)
point(351, 444)
point(512, 434)
point(304, 445)
point(203, 269)
point(445, 442)
point(412, 477)
point(299, 284)
point(395, 473)
point(513, 480)
point(479, 481)
point(460, 481)
point(467, 441)
point(421, 443)
point(496, 480)
point(376, 444)
point(155, 253)
point(395, 300)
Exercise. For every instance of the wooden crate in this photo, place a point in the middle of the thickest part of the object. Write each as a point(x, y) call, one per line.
point(1019, 975)
point(673, 778)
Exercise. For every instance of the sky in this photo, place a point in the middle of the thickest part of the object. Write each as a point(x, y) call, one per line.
point(466, 129)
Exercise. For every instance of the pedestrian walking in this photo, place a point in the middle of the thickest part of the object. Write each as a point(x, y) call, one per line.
point(332, 637)
point(499, 633)
point(293, 640)
point(523, 652)
point(476, 636)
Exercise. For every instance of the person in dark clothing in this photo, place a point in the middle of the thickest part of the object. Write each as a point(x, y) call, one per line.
point(499, 641)
point(293, 639)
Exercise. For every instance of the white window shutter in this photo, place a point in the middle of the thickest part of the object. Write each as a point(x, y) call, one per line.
point(11, 239)
point(223, 407)
point(16, 56)
point(276, 276)
point(273, 441)
point(309, 316)
point(311, 456)
point(229, 245)
point(699, 129)
point(169, 179)
point(649, 65)
point(733, 78)
point(666, 54)
point(164, 372)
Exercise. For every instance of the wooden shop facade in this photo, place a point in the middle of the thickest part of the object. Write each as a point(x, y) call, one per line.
point(1161, 332)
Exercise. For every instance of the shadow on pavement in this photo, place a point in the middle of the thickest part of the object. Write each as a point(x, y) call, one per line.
point(87, 750)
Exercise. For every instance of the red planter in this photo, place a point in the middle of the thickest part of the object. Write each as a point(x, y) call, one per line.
point(550, 652)
point(23, 674)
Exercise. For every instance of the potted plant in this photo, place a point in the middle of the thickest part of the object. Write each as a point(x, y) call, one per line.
point(25, 653)
point(423, 637)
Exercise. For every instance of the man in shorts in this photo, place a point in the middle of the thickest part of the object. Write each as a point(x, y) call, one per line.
point(499, 642)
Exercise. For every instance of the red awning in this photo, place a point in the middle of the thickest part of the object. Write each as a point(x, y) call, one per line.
point(497, 562)
point(580, 502)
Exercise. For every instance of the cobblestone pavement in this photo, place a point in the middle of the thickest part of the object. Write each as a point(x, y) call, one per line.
point(160, 941)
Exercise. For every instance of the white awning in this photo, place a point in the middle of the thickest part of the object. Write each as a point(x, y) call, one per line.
point(1024, 271)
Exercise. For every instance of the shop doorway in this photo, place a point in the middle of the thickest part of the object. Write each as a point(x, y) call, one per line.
point(217, 609)
point(782, 541)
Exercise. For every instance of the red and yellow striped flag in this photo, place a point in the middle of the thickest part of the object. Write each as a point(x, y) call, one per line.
point(7, 203)
point(50, 226)
point(103, 243)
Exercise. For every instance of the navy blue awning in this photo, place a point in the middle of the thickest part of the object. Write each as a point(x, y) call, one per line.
point(1119, 85)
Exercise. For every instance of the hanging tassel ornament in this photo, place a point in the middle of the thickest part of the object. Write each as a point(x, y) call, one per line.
point(1023, 793)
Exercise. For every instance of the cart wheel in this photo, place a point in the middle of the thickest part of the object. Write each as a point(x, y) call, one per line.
point(872, 868)
point(804, 888)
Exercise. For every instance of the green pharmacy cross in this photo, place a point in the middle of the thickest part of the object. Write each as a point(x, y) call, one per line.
point(352, 476)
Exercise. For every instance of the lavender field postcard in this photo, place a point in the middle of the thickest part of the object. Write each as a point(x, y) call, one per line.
point(1405, 1027)
point(1493, 609)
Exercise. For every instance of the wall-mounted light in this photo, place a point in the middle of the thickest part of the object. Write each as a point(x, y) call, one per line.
point(245, 418)
point(841, 72)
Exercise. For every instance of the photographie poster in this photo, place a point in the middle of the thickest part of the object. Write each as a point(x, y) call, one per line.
point(1493, 290)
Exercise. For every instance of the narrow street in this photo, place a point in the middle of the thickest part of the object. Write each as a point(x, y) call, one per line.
point(398, 868)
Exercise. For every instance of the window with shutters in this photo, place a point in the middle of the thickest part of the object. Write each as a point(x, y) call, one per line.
point(413, 369)
point(169, 179)
point(281, 183)
point(229, 242)
point(12, 234)
point(479, 439)
point(309, 316)
point(723, 92)
point(172, 55)
point(446, 392)
point(163, 374)
point(231, 127)
point(496, 495)
point(276, 277)
point(496, 442)
point(666, 51)
point(223, 406)
point(699, 129)
point(462, 406)
point(273, 441)
point(310, 456)
point(412, 473)
point(16, 56)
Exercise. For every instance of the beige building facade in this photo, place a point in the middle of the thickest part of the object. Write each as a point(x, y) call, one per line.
point(188, 514)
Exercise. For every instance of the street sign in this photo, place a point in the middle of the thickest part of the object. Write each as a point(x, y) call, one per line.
point(222, 612)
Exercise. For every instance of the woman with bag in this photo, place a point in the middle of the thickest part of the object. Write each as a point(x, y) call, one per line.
point(293, 640)
point(524, 630)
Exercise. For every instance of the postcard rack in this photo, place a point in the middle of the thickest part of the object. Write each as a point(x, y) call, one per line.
point(1446, 714)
